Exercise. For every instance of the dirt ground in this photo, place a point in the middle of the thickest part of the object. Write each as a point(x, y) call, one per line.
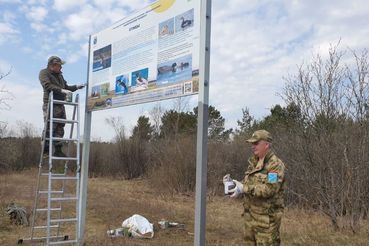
point(110, 202)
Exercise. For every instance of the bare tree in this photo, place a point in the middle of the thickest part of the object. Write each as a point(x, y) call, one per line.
point(129, 156)
point(117, 124)
point(156, 113)
point(5, 95)
point(329, 150)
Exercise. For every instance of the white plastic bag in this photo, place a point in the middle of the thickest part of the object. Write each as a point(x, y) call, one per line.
point(140, 227)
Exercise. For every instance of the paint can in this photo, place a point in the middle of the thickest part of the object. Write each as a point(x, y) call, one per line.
point(229, 185)
point(69, 97)
point(119, 232)
point(127, 233)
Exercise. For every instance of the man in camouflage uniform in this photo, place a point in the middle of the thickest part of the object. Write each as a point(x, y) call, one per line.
point(51, 79)
point(263, 190)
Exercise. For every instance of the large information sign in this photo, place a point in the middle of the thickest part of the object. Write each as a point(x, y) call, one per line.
point(151, 55)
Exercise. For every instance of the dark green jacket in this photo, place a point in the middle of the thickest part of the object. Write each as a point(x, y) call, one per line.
point(54, 82)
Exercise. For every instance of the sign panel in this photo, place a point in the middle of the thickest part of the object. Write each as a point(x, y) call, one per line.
point(151, 55)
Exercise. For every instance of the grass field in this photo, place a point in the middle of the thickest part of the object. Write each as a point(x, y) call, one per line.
point(110, 202)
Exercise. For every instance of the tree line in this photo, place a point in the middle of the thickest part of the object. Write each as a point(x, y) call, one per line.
point(321, 133)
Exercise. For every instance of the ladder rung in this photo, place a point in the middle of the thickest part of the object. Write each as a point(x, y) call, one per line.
point(62, 139)
point(40, 239)
point(62, 242)
point(53, 174)
point(63, 220)
point(64, 199)
point(65, 158)
point(64, 102)
point(45, 227)
point(64, 178)
point(52, 192)
point(45, 209)
point(58, 120)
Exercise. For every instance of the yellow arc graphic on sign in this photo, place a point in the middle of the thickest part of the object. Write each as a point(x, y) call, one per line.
point(164, 5)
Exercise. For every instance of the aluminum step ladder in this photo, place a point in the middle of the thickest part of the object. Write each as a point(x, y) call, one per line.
point(53, 225)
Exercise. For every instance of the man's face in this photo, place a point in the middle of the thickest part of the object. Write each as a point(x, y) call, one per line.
point(55, 68)
point(260, 148)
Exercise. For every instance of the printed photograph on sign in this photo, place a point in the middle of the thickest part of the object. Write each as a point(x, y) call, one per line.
point(122, 84)
point(166, 28)
point(102, 58)
point(95, 92)
point(105, 90)
point(108, 101)
point(184, 21)
point(179, 69)
point(139, 80)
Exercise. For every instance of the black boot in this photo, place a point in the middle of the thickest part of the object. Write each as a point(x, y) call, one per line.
point(58, 152)
point(46, 152)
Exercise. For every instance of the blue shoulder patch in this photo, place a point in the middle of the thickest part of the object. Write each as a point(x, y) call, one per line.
point(273, 177)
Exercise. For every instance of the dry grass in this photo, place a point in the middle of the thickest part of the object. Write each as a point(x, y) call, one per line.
point(110, 202)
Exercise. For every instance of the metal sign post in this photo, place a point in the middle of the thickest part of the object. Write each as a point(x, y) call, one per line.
point(84, 169)
point(202, 124)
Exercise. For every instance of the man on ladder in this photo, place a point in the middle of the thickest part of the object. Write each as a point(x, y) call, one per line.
point(51, 79)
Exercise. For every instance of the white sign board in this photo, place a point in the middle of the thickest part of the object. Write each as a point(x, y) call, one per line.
point(151, 55)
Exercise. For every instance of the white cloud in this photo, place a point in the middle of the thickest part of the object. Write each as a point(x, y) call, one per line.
point(46, 47)
point(84, 49)
point(65, 5)
point(62, 38)
point(82, 24)
point(73, 58)
point(133, 5)
point(9, 17)
point(37, 14)
point(10, 1)
point(40, 27)
point(8, 33)
point(34, 2)
point(7, 28)
point(27, 50)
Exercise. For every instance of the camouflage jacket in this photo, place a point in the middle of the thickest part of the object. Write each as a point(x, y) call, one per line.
point(54, 82)
point(264, 186)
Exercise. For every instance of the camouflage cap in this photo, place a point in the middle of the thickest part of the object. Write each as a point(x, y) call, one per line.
point(55, 60)
point(260, 135)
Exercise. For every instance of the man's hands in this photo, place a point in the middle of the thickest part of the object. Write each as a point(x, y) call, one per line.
point(237, 190)
point(66, 92)
point(80, 86)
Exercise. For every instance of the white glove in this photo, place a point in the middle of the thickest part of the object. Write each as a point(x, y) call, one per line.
point(66, 92)
point(80, 86)
point(237, 190)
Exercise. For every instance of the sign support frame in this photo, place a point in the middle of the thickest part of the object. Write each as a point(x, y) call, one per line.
point(202, 135)
point(202, 124)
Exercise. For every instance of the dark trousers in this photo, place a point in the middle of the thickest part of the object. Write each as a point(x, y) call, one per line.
point(58, 128)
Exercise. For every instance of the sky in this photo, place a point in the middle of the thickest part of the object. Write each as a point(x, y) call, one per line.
point(254, 44)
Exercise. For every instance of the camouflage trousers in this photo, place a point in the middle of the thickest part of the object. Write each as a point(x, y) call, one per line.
point(58, 128)
point(262, 232)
